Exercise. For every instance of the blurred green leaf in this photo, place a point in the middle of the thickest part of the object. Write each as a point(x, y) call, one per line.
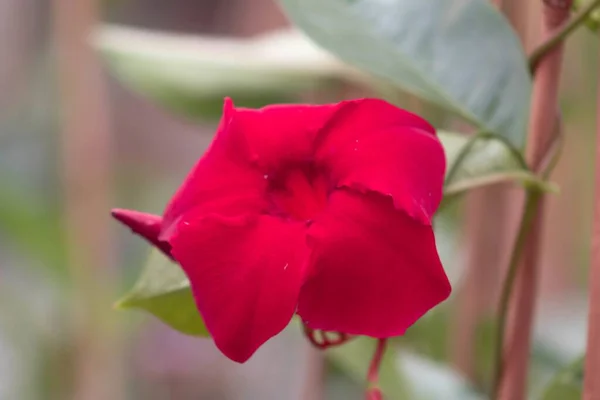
point(460, 54)
point(403, 375)
point(164, 291)
point(430, 380)
point(593, 20)
point(429, 337)
point(354, 357)
point(32, 226)
point(192, 74)
point(567, 384)
point(483, 160)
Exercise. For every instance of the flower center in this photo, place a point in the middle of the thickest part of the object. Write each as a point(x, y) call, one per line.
point(299, 192)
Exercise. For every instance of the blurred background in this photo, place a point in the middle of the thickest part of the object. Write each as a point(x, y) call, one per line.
point(75, 142)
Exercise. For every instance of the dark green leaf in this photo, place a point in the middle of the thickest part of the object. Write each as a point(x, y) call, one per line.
point(459, 54)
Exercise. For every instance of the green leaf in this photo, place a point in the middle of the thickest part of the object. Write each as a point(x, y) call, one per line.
point(192, 74)
point(483, 160)
point(567, 384)
point(459, 54)
point(164, 291)
point(593, 20)
point(31, 226)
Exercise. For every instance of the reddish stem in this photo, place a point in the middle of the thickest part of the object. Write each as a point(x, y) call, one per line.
point(487, 240)
point(542, 131)
point(86, 171)
point(592, 358)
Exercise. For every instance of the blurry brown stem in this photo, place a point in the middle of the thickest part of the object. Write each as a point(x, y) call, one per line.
point(86, 170)
point(487, 240)
point(515, 339)
point(485, 243)
point(591, 387)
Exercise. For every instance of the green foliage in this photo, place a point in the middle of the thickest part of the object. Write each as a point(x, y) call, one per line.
point(164, 290)
point(191, 75)
point(593, 20)
point(482, 160)
point(32, 226)
point(353, 358)
point(460, 54)
point(567, 384)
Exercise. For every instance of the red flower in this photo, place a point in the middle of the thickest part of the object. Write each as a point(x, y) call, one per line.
point(324, 211)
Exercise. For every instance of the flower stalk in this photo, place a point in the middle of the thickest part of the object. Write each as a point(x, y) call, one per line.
point(373, 390)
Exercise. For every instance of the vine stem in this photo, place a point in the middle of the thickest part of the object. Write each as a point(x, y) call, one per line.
point(561, 33)
point(591, 385)
point(525, 224)
point(517, 303)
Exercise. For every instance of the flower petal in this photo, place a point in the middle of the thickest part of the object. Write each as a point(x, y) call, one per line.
point(357, 119)
point(290, 133)
point(245, 275)
point(372, 145)
point(374, 271)
point(283, 134)
point(147, 226)
point(250, 144)
point(222, 181)
point(402, 162)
